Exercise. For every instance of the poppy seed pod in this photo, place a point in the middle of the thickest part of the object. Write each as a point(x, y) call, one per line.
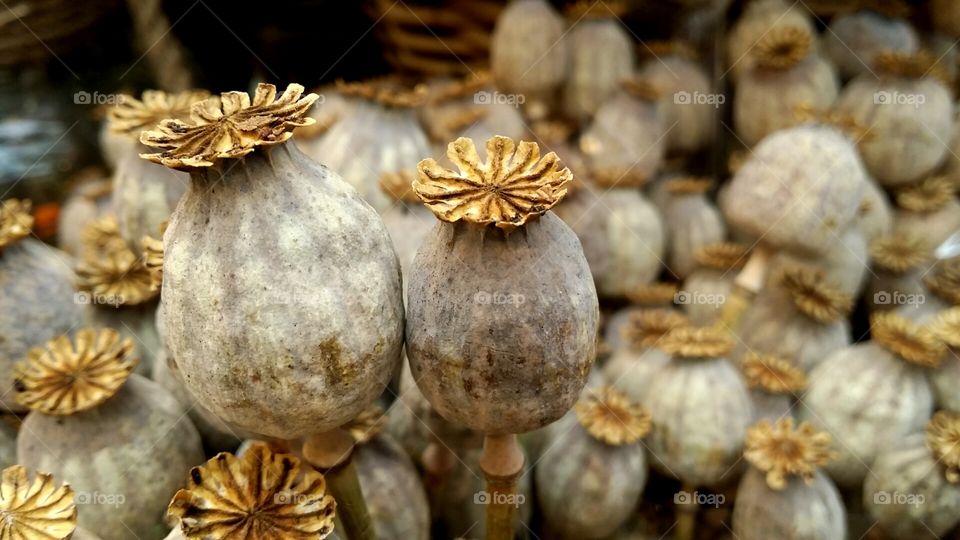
point(285, 329)
point(946, 379)
point(692, 221)
point(854, 40)
point(493, 346)
point(701, 408)
point(706, 289)
point(900, 262)
point(674, 70)
point(870, 394)
point(909, 113)
point(914, 488)
point(875, 214)
point(784, 494)
point(845, 264)
point(407, 221)
point(598, 467)
point(785, 74)
point(469, 108)
point(815, 171)
point(90, 424)
point(774, 384)
point(631, 367)
point(648, 295)
point(87, 202)
point(37, 301)
point(928, 209)
point(760, 17)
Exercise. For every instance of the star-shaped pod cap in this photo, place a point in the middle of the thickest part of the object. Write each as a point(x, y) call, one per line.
point(131, 115)
point(914, 343)
point(773, 374)
point(781, 451)
point(37, 510)
point(814, 296)
point(943, 439)
point(611, 418)
point(15, 221)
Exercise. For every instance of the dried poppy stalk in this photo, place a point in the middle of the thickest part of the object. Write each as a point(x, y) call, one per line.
point(35, 510)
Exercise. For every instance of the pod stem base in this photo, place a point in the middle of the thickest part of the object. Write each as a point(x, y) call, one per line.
point(501, 463)
point(331, 454)
point(686, 516)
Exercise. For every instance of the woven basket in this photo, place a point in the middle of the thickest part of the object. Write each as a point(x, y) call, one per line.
point(34, 30)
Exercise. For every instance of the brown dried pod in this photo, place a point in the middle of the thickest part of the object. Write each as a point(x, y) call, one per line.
point(913, 490)
point(692, 221)
point(37, 509)
point(785, 495)
point(908, 113)
point(928, 208)
point(631, 366)
point(679, 76)
point(597, 466)
point(36, 293)
point(785, 74)
point(254, 496)
point(946, 379)
point(87, 411)
point(774, 383)
point(854, 39)
point(87, 201)
point(873, 393)
point(760, 17)
point(900, 261)
point(494, 224)
point(255, 321)
point(707, 287)
point(701, 408)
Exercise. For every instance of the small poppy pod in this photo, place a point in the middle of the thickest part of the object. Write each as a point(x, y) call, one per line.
point(774, 383)
point(846, 264)
point(870, 394)
point(631, 367)
point(657, 294)
point(674, 70)
point(471, 108)
point(875, 214)
point(913, 490)
point(899, 262)
point(784, 494)
point(87, 201)
point(692, 221)
point(785, 73)
point(701, 408)
point(381, 135)
point(909, 113)
point(854, 39)
point(946, 379)
point(928, 208)
point(760, 17)
point(87, 408)
point(708, 286)
point(37, 299)
point(597, 466)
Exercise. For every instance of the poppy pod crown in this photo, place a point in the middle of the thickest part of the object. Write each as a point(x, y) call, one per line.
point(611, 418)
point(781, 451)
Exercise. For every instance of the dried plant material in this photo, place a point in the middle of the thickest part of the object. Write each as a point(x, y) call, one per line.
point(947, 326)
point(61, 378)
point(319, 127)
point(910, 65)
point(230, 127)
point(781, 451)
point(899, 252)
point(926, 196)
point(153, 260)
point(662, 48)
point(735, 160)
point(384, 92)
point(511, 188)
point(618, 177)
point(697, 342)
point(261, 495)
point(447, 125)
point(367, 425)
point(943, 439)
point(595, 9)
point(399, 186)
point(15, 221)
point(689, 185)
point(131, 116)
point(102, 235)
point(723, 255)
point(641, 89)
point(944, 281)
point(645, 328)
point(462, 88)
point(773, 374)
point(783, 47)
point(814, 296)
point(553, 131)
point(908, 340)
point(654, 294)
point(116, 277)
point(37, 510)
point(609, 416)
point(805, 113)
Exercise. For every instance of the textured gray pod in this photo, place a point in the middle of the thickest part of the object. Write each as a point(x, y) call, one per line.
point(37, 303)
point(625, 140)
point(708, 283)
point(87, 202)
point(846, 264)
point(797, 512)
point(631, 371)
point(692, 122)
point(760, 17)
point(875, 216)
point(492, 345)
point(601, 57)
point(127, 457)
point(144, 196)
point(281, 294)
point(906, 491)
point(114, 146)
point(138, 322)
point(854, 39)
point(691, 221)
point(935, 226)
point(408, 224)
point(391, 486)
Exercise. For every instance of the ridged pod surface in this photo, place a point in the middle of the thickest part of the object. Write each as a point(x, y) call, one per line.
point(797, 512)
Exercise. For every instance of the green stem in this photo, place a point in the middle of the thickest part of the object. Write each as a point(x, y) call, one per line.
point(352, 510)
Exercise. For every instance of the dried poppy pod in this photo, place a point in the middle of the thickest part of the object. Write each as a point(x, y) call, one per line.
point(601, 55)
point(928, 208)
point(774, 384)
point(758, 19)
point(899, 262)
point(89, 200)
point(255, 320)
point(254, 496)
point(908, 111)
point(701, 407)
point(707, 287)
point(913, 490)
point(471, 107)
point(85, 410)
point(854, 40)
point(846, 264)
point(875, 215)
point(37, 509)
point(597, 467)
point(528, 55)
point(631, 367)
point(870, 394)
point(801, 316)
point(658, 294)
point(946, 379)
point(382, 134)
point(144, 195)
point(624, 142)
point(784, 494)
point(785, 74)
point(407, 221)
point(812, 169)
point(36, 293)
point(692, 221)
point(673, 68)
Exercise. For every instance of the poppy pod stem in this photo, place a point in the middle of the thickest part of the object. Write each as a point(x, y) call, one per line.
point(748, 282)
point(502, 463)
point(331, 453)
point(438, 461)
point(686, 517)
